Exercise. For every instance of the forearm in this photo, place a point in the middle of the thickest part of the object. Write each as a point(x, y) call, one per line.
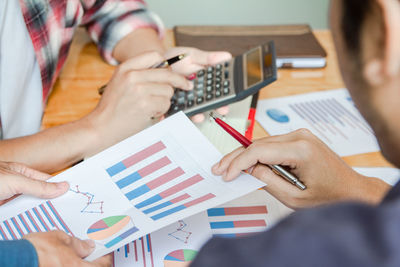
point(137, 42)
point(18, 253)
point(53, 149)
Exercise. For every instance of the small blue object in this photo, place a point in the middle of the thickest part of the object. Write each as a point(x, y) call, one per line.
point(278, 115)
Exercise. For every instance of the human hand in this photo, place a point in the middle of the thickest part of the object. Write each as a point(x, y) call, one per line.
point(196, 60)
point(16, 179)
point(327, 177)
point(134, 95)
point(56, 248)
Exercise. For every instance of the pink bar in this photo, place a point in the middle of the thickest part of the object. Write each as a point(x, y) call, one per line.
point(143, 253)
point(180, 198)
point(199, 200)
point(34, 221)
point(145, 153)
point(48, 215)
point(245, 210)
point(59, 217)
point(246, 234)
point(183, 185)
point(12, 232)
point(27, 225)
point(46, 227)
point(250, 223)
point(136, 255)
point(155, 166)
point(17, 224)
point(4, 234)
point(165, 178)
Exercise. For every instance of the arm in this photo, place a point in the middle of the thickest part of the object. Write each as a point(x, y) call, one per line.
point(341, 235)
point(18, 253)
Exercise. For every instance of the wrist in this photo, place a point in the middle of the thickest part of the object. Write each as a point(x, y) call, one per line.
point(369, 189)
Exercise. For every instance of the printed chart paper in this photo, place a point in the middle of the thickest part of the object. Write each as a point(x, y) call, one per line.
point(330, 115)
point(179, 243)
point(144, 183)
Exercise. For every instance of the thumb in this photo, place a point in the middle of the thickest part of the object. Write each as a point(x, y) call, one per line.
point(37, 188)
point(82, 247)
point(209, 58)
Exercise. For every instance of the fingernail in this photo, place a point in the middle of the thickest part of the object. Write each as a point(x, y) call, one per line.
point(61, 185)
point(192, 76)
point(90, 243)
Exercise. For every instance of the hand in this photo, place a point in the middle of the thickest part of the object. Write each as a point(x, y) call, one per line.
point(56, 248)
point(327, 177)
point(134, 95)
point(196, 60)
point(16, 179)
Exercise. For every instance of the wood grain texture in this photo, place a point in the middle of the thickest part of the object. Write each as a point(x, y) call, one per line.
point(75, 93)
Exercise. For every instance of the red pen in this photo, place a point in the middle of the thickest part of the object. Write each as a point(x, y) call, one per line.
point(246, 142)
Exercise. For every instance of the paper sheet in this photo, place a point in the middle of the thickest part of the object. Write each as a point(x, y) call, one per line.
point(144, 183)
point(330, 115)
point(388, 175)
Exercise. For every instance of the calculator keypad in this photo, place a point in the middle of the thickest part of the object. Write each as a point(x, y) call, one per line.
point(211, 85)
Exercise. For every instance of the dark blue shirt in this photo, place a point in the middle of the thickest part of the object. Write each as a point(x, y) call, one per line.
point(19, 253)
point(346, 234)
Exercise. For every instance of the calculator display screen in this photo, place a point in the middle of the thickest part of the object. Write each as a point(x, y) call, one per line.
point(253, 67)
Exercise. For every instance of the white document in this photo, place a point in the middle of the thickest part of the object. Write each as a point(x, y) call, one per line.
point(144, 183)
point(330, 115)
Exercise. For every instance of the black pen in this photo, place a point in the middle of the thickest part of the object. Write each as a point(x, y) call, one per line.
point(163, 64)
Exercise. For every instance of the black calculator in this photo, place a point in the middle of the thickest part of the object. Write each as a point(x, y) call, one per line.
point(228, 82)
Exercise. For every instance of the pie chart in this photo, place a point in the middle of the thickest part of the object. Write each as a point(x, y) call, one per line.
point(277, 115)
point(179, 257)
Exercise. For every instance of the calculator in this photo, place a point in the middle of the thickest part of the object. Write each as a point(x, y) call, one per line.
point(228, 82)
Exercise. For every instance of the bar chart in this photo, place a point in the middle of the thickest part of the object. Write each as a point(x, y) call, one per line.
point(42, 218)
point(156, 184)
point(237, 221)
point(136, 253)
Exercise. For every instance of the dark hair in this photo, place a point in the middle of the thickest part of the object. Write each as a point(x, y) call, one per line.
point(354, 14)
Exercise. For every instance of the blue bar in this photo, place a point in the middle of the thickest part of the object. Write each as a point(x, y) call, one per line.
point(16, 227)
point(130, 179)
point(225, 235)
point(29, 217)
point(9, 230)
point(58, 219)
point(45, 213)
point(148, 243)
point(22, 221)
point(219, 225)
point(168, 212)
point(126, 250)
point(42, 222)
point(149, 201)
point(160, 206)
point(121, 237)
point(4, 237)
point(216, 212)
point(117, 168)
point(138, 192)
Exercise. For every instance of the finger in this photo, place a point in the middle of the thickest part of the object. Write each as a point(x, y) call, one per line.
point(198, 118)
point(157, 89)
point(209, 58)
point(223, 110)
point(164, 76)
point(223, 164)
point(143, 61)
point(82, 248)
point(28, 172)
point(103, 261)
point(36, 188)
point(266, 153)
point(276, 185)
point(158, 106)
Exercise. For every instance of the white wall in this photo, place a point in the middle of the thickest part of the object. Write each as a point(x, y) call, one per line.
point(242, 12)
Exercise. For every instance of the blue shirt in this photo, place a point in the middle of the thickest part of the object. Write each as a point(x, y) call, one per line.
point(19, 253)
point(346, 234)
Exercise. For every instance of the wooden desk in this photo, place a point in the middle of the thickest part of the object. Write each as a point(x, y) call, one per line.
point(75, 93)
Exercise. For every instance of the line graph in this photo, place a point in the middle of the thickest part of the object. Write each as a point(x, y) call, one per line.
point(180, 233)
point(91, 206)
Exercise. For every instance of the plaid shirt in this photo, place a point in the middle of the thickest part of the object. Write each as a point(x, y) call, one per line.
point(52, 24)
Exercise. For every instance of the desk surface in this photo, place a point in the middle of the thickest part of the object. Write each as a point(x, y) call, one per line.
point(75, 93)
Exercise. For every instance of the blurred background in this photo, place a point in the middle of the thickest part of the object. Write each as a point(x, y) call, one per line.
point(241, 12)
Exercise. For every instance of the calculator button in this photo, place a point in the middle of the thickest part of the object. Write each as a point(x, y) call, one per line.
point(226, 74)
point(210, 76)
point(209, 97)
point(209, 82)
point(209, 89)
point(175, 108)
point(218, 79)
point(218, 73)
point(226, 90)
point(217, 86)
point(200, 93)
point(210, 69)
point(190, 95)
point(218, 93)
point(226, 64)
point(200, 86)
point(200, 73)
point(218, 67)
point(199, 100)
point(200, 80)
point(226, 83)
point(181, 101)
point(190, 103)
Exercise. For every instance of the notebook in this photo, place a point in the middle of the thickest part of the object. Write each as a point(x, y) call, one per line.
point(296, 45)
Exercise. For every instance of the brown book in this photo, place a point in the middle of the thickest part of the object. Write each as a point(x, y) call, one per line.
point(296, 45)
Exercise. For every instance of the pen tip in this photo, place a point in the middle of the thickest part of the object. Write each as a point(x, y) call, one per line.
point(212, 115)
point(182, 56)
